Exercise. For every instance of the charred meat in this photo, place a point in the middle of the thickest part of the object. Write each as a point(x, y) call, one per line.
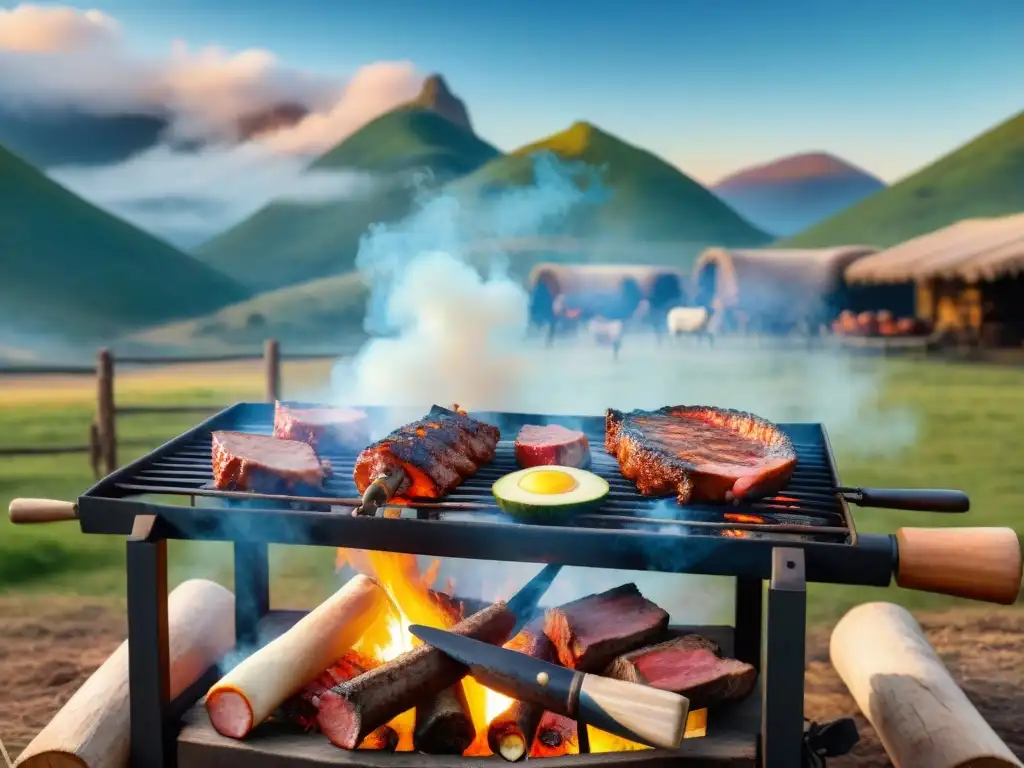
point(700, 453)
point(435, 453)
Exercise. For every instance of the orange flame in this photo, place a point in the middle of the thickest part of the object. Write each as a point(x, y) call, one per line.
point(414, 603)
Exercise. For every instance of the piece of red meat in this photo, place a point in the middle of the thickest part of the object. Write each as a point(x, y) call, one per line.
point(246, 462)
point(551, 445)
point(327, 430)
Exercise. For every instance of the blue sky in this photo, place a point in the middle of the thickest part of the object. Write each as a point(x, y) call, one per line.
point(711, 86)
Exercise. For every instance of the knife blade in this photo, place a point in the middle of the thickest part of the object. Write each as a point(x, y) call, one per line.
point(524, 602)
point(636, 712)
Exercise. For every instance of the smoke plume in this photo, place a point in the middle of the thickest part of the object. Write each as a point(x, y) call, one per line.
point(459, 334)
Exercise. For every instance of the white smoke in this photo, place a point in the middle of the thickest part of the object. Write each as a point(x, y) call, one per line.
point(459, 336)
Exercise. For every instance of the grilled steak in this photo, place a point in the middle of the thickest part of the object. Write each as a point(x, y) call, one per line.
point(699, 453)
point(261, 463)
point(689, 665)
point(436, 453)
point(327, 430)
point(551, 445)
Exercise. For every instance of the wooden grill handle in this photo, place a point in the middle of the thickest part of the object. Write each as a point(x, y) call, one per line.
point(23, 511)
point(977, 563)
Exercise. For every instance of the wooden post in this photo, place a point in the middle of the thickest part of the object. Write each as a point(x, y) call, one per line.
point(272, 364)
point(95, 450)
point(105, 416)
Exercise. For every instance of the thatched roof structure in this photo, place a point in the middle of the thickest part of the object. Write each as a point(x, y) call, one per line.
point(593, 278)
point(972, 250)
point(788, 282)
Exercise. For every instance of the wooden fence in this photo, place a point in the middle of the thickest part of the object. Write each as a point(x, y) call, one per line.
point(103, 444)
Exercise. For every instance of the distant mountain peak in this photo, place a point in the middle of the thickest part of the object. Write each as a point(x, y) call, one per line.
point(437, 96)
point(802, 166)
point(571, 142)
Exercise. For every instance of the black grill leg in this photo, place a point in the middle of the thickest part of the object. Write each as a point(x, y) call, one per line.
point(149, 685)
point(252, 590)
point(749, 617)
point(782, 676)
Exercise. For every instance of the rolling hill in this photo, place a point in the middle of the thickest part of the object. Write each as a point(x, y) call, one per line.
point(286, 243)
point(792, 193)
point(70, 268)
point(646, 199)
point(985, 177)
point(326, 312)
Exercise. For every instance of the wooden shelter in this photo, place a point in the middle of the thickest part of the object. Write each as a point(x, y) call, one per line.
point(774, 290)
point(616, 288)
point(968, 278)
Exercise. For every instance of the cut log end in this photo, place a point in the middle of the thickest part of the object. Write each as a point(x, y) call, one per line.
point(230, 712)
point(340, 720)
point(511, 747)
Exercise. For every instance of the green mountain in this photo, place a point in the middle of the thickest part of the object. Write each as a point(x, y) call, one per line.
point(985, 177)
point(70, 268)
point(646, 199)
point(286, 242)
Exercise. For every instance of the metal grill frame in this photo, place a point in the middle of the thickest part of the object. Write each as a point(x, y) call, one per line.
point(770, 623)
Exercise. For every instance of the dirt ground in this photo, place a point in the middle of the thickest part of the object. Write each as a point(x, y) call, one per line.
point(49, 646)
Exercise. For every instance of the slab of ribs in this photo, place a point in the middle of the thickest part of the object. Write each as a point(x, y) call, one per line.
point(698, 453)
point(436, 454)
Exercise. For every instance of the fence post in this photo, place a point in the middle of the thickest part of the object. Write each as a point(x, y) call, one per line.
point(105, 416)
point(272, 365)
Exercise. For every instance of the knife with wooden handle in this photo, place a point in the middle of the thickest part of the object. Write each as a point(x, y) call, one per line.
point(645, 715)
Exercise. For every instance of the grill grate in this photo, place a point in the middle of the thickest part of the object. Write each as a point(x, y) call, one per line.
point(806, 510)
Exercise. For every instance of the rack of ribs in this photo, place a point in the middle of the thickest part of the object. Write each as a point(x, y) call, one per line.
point(435, 454)
point(699, 453)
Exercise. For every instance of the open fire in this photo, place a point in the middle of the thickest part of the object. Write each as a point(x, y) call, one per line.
point(414, 601)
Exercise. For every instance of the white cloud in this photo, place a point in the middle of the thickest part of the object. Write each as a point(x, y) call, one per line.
point(53, 57)
point(188, 197)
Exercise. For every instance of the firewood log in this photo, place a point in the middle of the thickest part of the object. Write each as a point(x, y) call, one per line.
point(249, 694)
point(921, 715)
point(443, 723)
point(92, 729)
point(510, 734)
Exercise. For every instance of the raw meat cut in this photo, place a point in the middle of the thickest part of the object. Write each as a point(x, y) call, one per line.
point(689, 665)
point(264, 464)
point(551, 445)
point(699, 453)
point(327, 430)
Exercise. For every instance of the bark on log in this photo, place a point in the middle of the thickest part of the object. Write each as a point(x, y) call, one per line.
point(249, 694)
point(350, 711)
point(921, 715)
point(443, 724)
point(511, 733)
point(92, 729)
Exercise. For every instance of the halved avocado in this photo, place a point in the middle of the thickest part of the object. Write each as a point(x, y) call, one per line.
point(549, 494)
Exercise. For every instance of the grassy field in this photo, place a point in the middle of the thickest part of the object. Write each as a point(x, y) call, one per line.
point(894, 424)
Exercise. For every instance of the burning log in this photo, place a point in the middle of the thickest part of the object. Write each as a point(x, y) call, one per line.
point(689, 665)
point(590, 632)
point(92, 729)
point(301, 709)
point(351, 710)
point(921, 715)
point(511, 733)
point(249, 693)
point(443, 724)
point(556, 735)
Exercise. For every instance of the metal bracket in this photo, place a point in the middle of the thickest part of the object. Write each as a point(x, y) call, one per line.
point(149, 683)
point(782, 690)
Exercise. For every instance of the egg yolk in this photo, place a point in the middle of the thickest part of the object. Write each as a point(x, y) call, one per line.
point(547, 482)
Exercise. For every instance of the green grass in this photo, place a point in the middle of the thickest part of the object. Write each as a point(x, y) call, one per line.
point(982, 178)
point(969, 435)
point(286, 243)
point(647, 199)
point(69, 267)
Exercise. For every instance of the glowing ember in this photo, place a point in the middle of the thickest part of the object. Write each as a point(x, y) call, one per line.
point(736, 517)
